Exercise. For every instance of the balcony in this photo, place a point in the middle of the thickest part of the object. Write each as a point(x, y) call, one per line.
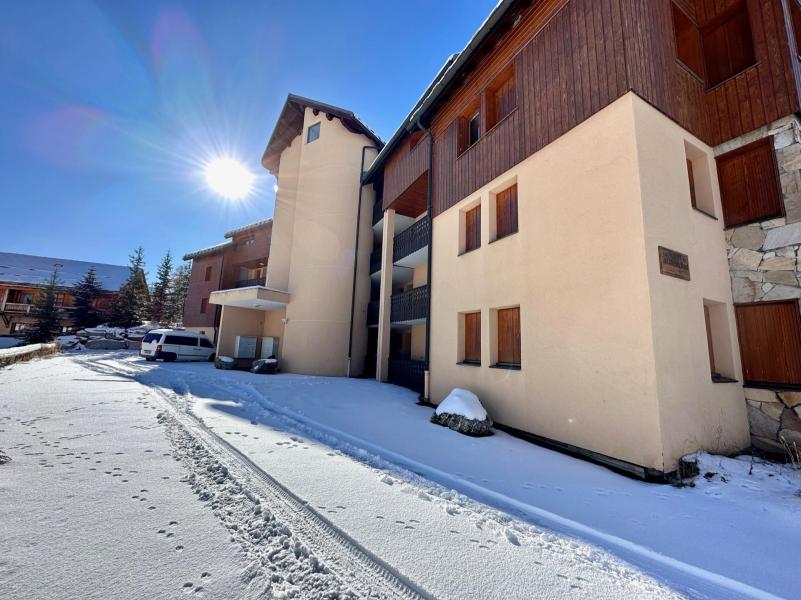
point(409, 306)
point(410, 241)
point(249, 282)
point(407, 373)
point(18, 307)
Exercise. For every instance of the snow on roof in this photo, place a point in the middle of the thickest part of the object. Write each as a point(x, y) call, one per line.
point(207, 251)
point(246, 228)
point(36, 270)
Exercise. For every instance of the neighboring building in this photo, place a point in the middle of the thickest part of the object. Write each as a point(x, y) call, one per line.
point(23, 277)
point(310, 311)
point(598, 177)
point(241, 261)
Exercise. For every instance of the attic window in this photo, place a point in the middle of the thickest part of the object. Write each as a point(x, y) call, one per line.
point(313, 133)
point(501, 97)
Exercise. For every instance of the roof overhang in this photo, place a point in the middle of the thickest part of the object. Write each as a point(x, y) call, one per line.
point(290, 125)
point(257, 297)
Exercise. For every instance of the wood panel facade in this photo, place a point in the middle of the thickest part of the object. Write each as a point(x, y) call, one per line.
point(572, 58)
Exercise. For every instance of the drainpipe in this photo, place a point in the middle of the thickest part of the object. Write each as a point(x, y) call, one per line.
point(426, 396)
point(356, 256)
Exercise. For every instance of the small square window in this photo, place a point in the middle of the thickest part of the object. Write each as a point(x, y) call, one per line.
point(249, 242)
point(699, 179)
point(204, 303)
point(312, 133)
point(718, 342)
point(468, 127)
point(473, 129)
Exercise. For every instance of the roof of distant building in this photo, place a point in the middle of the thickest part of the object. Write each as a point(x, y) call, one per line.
point(36, 270)
point(246, 228)
point(208, 251)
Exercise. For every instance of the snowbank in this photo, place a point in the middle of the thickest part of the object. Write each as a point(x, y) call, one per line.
point(12, 355)
point(464, 403)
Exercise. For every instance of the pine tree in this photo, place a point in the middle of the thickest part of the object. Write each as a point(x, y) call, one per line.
point(85, 292)
point(161, 290)
point(177, 297)
point(47, 313)
point(132, 305)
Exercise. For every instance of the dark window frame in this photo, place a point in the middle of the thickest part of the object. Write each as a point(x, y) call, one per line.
point(314, 127)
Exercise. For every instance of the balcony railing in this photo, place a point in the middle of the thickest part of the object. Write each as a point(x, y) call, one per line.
point(378, 211)
point(409, 306)
point(407, 373)
point(410, 240)
point(18, 307)
point(249, 282)
point(375, 261)
point(372, 313)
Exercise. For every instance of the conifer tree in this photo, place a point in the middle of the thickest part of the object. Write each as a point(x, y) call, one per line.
point(162, 289)
point(132, 305)
point(47, 313)
point(85, 292)
point(177, 297)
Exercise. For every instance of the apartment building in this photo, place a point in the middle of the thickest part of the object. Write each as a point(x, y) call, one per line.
point(238, 262)
point(593, 217)
point(310, 310)
point(24, 277)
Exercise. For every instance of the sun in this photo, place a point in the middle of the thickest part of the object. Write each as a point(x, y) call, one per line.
point(229, 178)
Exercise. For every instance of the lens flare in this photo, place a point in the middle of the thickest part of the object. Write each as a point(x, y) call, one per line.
point(229, 178)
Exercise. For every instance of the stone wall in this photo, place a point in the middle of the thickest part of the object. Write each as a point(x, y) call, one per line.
point(764, 266)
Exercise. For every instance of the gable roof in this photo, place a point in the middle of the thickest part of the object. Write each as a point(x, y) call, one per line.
point(246, 228)
point(36, 270)
point(290, 125)
point(208, 251)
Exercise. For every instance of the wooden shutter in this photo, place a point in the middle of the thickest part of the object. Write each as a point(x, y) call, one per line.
point(472, 337)
point(509, 336)
point(501, 96)
point(770, 342)
point(710, 347)
point(472, 228)
point(749, 183)
point(690, 176)
point(688, 42)
point(506, 212)
point(207, 276)
point(204, 302)
point(727, 45)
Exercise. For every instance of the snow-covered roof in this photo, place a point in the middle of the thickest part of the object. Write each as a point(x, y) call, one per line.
point(246, 228)
point(207, 251)
point(36, 270)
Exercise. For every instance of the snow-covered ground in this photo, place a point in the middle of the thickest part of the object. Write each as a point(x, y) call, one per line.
point(459, 517)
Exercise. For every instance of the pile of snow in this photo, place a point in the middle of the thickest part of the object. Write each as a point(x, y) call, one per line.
point(24, 350)
point(104, 330)
point(462, 411)
point(226, 359)
point(67, 341)
point(462, 402)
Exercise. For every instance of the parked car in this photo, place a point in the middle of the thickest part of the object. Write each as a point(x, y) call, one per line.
point(176, 344)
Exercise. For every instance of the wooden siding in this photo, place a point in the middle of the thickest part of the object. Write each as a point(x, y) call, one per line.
point(770, 342)
point(749, 184)
point(572, 58)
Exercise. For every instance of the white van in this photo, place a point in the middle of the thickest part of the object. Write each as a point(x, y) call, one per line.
point(176, 344)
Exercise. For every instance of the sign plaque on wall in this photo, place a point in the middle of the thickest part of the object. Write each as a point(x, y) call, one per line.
point(674, 263)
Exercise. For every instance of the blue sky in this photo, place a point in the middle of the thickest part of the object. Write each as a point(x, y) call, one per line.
point(110, 108)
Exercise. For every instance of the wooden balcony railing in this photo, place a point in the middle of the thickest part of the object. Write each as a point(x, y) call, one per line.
point(18, 307)
point(407, 373)
point(409, 306)
point(410, 240)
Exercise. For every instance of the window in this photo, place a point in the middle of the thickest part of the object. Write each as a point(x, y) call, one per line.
point(151, 337)
point(468, 127)
point(472, 228)
point(508, 336)
point(727, 45)
point(506, 212)
point(204, 303)
point(795, 18)
point(59, 298)
point(501, 97)
point(718, 342)
point(204, 343)
point(180, 340)
point(248, 241)
point(313, 133)
point(18, 327)
point(699, 179)
point(207, 276)
point(688, 42)
point(20, 297)
point(770, 342)
point(749, 184)
point(472, 338)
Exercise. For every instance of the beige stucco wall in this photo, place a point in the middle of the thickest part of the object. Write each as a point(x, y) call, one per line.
point(694, 412)
point(320, 247)
point(577, 270)
point(236, 321)
point(614, 355)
